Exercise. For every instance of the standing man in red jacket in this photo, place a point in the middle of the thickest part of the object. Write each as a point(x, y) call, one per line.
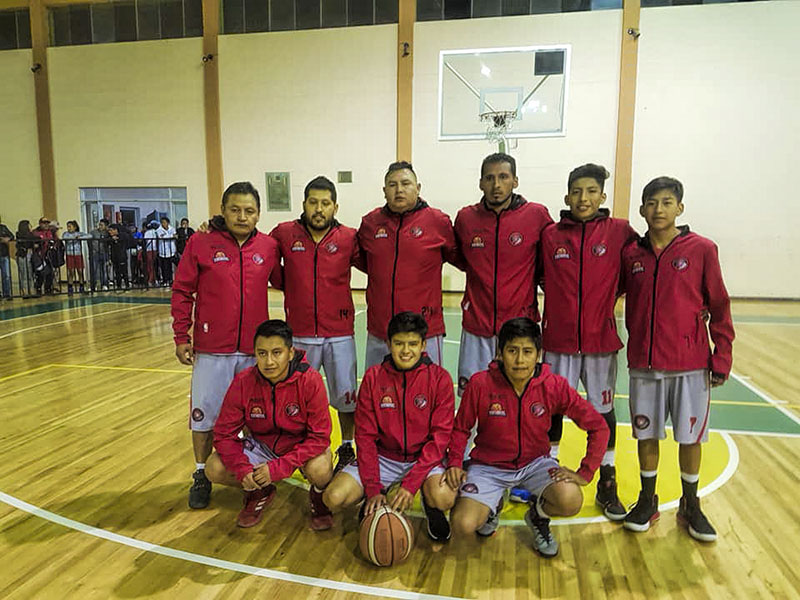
point(675, 296)
point(404, 244)
point(499, 239)
point(581, 258)
point(220, 294)
point(512, 403)
point(282, 403)
point(404, 419)
point(317, 253)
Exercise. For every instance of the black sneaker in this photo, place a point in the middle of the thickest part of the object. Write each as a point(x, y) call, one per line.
point(543, 541)
point(642, 514)
point(200, 492)
point(345, 455)
point(691, 517)
point(607, 497)
point(438, 526)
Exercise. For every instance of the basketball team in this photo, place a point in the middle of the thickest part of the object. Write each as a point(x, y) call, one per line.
point(259, 407)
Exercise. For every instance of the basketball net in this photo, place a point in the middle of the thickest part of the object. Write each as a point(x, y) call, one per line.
point(498, 122)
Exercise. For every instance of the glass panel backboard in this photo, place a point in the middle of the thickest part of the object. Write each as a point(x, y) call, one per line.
point(532, 81)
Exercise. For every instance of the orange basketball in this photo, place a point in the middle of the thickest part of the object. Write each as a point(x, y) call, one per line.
point(386, 537)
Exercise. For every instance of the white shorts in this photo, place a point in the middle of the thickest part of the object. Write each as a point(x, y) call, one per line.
point(474, 355)
point(337, 357)
point(486, 484)
point(683, 396)
point(377, 350)
point(391, 471)
point(211, 376)
point(597, 372)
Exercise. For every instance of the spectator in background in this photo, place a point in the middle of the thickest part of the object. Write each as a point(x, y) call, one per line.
point(184, 232)
point(151, 251)
point(118, 246)
point(42, 265)
point(166, 250)
point(5, 261)
point(73, 247)
point(98, 252)
point(25, 243)
point(136, 253)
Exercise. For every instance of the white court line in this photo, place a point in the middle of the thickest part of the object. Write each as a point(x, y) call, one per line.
point(109, 312)
point(209, 561)
point(764, 395)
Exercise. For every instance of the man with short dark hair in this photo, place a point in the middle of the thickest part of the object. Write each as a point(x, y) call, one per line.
point(5, 261)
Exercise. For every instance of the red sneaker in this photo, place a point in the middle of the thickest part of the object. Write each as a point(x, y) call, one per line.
point(254, 504)
point(321, 515)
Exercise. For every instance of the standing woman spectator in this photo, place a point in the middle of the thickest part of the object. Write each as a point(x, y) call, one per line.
point(166, 250)
point(25, 241)
point(99, 255)
point(151, 251)
point(184, 232)
point(73, 247)
point(5, 261)
point(42, 266)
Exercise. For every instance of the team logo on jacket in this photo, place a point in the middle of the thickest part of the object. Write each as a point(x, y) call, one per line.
point(469, 488)
point(599, 249)
point(198, 415)
point(680, 264)
point(220, 256)
point(387, 402)
point(256, 412)
point(637, 267)
point(477, 242)
point(416, 231)
point(258, 259)
point(561, 253)
point(641, 421)
point(420, 401)
point(496, 410)
point(331, 247)
point(538, 409)
point(381, 233)
point(292, 410)
point(515, 239)
point(298, 246)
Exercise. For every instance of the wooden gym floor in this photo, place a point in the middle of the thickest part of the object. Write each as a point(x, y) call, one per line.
point(97, 460)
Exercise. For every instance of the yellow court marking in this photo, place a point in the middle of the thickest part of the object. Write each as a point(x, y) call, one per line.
point(103, 367)
point(21, 373)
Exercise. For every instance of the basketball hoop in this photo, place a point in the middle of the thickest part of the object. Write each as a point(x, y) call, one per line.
point(498, 122)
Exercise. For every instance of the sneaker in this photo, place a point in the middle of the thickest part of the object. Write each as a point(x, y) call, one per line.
point(519, 495)
point(254, 504)
point(438, 526)
point(346, 455)
point(200, 492)
point(642, 514)
point(489, 528)
point(543, 541)
point(70, 291)
point(321, 515)
point(607, 497)
point(691, 517)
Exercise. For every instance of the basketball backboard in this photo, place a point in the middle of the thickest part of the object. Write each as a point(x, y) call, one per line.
point(532, 81)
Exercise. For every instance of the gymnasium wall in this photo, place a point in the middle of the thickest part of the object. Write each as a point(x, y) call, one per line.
point(21, 191)
point(717, 107)
point(128, 114)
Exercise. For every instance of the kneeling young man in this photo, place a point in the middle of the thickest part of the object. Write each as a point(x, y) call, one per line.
point(282, 403)
point(404, 418)
point(512, 403)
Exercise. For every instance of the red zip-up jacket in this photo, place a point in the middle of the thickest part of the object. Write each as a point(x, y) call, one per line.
point(316, 279)
point(500, 255)
point(405, 416)
point(222, 287)
point(668, 302)
point(581, 263)
point(404, 255)
point(290, 417)
point(512, 430)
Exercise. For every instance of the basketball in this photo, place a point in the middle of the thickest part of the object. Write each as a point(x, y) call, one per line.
point(386, 537)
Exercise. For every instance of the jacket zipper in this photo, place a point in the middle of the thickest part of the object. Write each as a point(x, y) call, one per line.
point(405, 428)
point(494, 285)
point(316, 317)
point(274, 417)
point(580, 288)
point(396, 255)
point(653, 300)
point(241, 299)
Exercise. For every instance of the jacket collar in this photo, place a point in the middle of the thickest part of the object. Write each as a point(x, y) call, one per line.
point(420, 205)
point(297, 366)
point(644, 241)
point(568, 219)
point(302, 222)
point(217, 223)
point(516, 201)
point(388, 363)
point(540, 374)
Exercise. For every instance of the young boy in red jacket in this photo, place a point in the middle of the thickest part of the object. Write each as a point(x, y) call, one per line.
point(317, 253)
point(219, 297)
point(404, 418)
point(581, 258)
point(675, 296)
point(513, 402)
point(282, 403)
